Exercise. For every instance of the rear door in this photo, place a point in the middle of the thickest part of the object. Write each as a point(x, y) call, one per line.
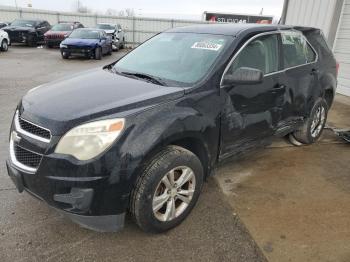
point(251, 112)
point(301, 76)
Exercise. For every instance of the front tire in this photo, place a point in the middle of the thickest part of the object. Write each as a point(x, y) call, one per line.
point(167, 190)
point(65, 55)
point(98, 53)
point(4, 45)
point(312, 129)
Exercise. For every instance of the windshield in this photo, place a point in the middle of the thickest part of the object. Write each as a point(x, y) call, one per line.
point(105, 27)
point(85, 34)
point(25, 23)
point(183, 58)
point(62, 27)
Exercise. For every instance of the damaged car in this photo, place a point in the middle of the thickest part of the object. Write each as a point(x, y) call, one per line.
point(115, 32)
point(27, 31)
point(142, 134)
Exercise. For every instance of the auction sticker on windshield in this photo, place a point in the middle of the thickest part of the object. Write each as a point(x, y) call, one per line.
point(206, 46)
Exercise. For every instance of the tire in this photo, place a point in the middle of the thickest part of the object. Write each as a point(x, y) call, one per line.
point(32, 42)
point(110, 50)
point(4, 45)
point(123, 43)
point(98, 53)
point(312, 128)
point(65, 55)
point(150, 186)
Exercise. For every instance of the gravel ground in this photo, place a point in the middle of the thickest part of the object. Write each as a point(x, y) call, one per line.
point(31, 231)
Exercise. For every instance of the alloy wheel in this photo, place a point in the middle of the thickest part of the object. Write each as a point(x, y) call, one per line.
point(318, 121)
point(174, 193)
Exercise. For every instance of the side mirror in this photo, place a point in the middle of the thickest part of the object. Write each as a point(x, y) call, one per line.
point(244, 76)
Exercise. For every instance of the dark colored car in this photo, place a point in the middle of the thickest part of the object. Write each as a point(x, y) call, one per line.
point(59, 32)
point(87, 42)
point(3, 24)
point(27, 31)
point(142, 134)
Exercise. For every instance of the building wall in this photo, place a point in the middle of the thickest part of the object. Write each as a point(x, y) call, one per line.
point(314, 13)
point(342, 50)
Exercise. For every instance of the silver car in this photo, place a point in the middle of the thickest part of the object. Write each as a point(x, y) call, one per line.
point(4, 40)
point(116, 32)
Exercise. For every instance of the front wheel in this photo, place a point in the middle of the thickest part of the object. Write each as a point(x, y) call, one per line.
point(167, 190)
point(98, 53)
point(313, 126)
point(4, 45)
point(65, 55)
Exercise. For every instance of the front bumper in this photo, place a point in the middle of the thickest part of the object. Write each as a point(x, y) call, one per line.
point(87, 51)
point(75, 205)
point(93, 193)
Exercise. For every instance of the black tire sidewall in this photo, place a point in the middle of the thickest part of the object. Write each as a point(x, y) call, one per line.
point(98, 53)
point(146, 218)
point(2, 45)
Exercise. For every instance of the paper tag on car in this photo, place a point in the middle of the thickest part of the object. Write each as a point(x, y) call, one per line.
point(206, 46)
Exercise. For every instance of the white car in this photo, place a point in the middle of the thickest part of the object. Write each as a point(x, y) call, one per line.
point(4, 40)
point(116, 32)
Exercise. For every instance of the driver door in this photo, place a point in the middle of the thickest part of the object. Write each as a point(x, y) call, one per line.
point(252, 111)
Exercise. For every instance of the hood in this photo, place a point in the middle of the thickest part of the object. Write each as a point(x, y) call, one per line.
point(57, 32)
point(18, 28)
point(80, 42)
point(61, 105)
point(110, 31)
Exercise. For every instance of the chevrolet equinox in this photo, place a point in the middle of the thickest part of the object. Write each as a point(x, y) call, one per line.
point(142, 134)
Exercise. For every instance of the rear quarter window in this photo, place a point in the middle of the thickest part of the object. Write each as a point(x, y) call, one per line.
point(296, 50)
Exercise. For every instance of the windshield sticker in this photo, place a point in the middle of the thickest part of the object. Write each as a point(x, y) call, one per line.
point(206, 46)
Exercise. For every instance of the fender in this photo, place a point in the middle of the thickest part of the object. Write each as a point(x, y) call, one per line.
point(149, 131)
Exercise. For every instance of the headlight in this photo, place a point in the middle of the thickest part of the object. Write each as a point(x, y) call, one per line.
point(89, 140)
point(63, 46)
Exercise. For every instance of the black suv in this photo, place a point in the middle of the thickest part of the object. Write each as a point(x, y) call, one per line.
point(142, 134)
point(27, 31)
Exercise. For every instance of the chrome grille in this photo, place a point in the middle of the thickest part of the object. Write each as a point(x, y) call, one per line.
point(34, 129)
point(26, 157)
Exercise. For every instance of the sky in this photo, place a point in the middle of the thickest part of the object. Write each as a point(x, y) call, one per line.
point(181, 9)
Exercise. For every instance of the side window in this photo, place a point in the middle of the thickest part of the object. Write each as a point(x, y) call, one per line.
point(261, 53)
point(296, 50)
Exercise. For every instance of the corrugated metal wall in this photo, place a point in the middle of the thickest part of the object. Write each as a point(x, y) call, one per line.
point(342, 50)
point(137, 29)
point(316, 13)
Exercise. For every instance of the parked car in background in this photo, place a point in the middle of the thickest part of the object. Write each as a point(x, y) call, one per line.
point(142, 134)
point(4, 41)
point(59, 32)
point(27, 31)
point(116, 32)
point(3, 24)
point(88, 42)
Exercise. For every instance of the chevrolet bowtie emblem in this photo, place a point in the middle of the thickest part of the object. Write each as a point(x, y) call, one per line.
point(15, 137)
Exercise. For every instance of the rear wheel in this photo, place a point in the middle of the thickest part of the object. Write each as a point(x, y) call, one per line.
point(312, 129)
point(167, 190)
point(4, 45)
point(98, 53)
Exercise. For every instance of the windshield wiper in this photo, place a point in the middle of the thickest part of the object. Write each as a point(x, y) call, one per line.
point(150, 78)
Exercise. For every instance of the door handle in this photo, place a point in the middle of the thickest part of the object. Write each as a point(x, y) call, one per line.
point(279, 87)
point(314, 71)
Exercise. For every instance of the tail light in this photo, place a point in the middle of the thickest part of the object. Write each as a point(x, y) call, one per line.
point(337, 69)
